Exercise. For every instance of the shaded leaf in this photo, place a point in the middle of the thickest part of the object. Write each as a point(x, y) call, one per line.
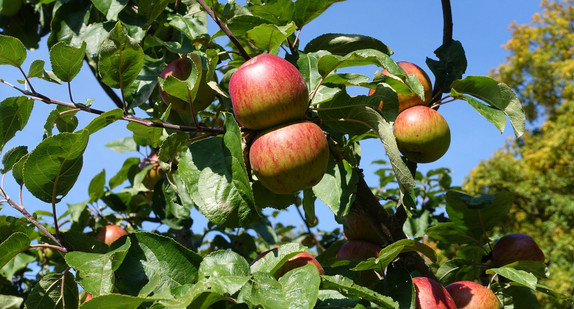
point(342, 44)
point(348, 288)
point(13, 245)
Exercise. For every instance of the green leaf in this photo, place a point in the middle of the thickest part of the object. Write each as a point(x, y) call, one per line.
point(104, 120)
point(216, 178)
point(54, 291)
point(270, 37)
point(263, 291)
point(67, 60)
point(95, 272)
point(114, 301)
point(130, 165)
point(110, 8)
point(11, 302)
point(348, 288)
point(519, 276)
point(144, 135)
point(274, 259)
point(451, 232)
point(120, 59)
point(496, 94)
point(153, 256)
point(226, 270)
point(122, 145)
point(390, 252)
point(12, 51)
point(60, 158)
point(265, 198)
point(142, 88)
point(309, 205)
point(13, 245)
point(64, 118)
point(297, 294)
point(338, 187)
point(278, 12)
point(96, 187)
point(399, 286)
point(342, 44)
point(14, 115)
point(492, 114)
point(11, 157)
point(192, 26)
point(450, 66)
point(305, 11)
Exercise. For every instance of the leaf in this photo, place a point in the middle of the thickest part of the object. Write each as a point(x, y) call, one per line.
point(226, 270)
point(151, 255)
point(122, 145)
point(348, 288)
point(519, 276)
point(338, 187)
point(390, 252)
point(120, 59)
point(66, 60)
point(13, 245)
point(62, 117)
point(12, 51)
point(104, 120)
point(11, 157)
point(54, 291)
point(270, 37)
point(11, 302)
point(263, 291)
point(450, 66)
point(305, 11)
point(95, 272)
point(279, 12)
point(496, 94)
point(192, 26)
point(398, 284)
point(140, 91)
point(301, 286)
point(110, 8)
point(60, 158)
point(342, 44)
point(145, 135)
point(216, 178)
point(274, 259)
point(96, 187)
point(14, 115)
point(114, 301)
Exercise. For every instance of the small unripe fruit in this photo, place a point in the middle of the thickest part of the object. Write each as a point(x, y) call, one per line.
point(110, 233)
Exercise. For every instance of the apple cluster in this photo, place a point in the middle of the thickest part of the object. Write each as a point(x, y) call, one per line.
point(269, 95)
point(422, 133)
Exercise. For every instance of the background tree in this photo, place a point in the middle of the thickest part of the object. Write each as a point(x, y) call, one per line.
point(538, 167)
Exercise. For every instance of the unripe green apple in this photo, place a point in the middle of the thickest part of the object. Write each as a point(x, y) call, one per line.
point(110, 233)
point(471, 295)
point(266, 91)
point(290, 157)
point(181, 69)
point(408, 100)
point(431, 295)
point(422, 134)
point(516, 247)
point(10, 7)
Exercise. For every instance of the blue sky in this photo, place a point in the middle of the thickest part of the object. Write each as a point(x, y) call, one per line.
point(412, 28)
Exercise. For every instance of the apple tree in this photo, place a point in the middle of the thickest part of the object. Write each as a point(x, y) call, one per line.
point(234, 143)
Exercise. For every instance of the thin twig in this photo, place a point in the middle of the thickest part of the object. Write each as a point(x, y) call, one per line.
point(447, 21)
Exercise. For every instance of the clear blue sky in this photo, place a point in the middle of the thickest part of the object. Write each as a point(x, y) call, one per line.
point(412, 28)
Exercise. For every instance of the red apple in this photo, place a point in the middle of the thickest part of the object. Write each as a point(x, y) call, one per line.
point(471, 295)
point(153, 175)
point(358, 227)
point(299, 260)
point(408, 100)
point(110, 233)
point(266, 91)
point(181, 69)
point(431, 295)
point(360, 249)
point(516, 247)
point(422, 134)
point(290, 157)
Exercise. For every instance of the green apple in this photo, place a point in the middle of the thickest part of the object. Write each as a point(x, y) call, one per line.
point(409, 100)
point(10, 7)
point(422, 134)
point(471, 295)
point(290, 157)
point(266, 91)
point(431, 295)
point(181, 69)
point(516, 247)
point(110, 233)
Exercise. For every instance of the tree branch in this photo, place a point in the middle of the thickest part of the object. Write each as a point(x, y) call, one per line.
point(447, 21)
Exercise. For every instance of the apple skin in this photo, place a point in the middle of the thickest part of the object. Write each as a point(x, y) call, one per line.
point(431, 295)
point(290, 158)
point(471, 295)
point(266, 91)
point(155, 174)
point(422, 134)
point(409, 100)
point(361, 249)
point(181, 69)
point(299, 260)
point(516, 247)
point(110, 233)
point(357, 227)
point(10, 7)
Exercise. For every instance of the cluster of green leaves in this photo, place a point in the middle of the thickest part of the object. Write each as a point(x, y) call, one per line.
point(128, 44)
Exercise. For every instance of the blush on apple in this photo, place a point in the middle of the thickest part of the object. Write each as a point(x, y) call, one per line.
point(181, 69)
point(431, 295)
point(110, 233)
point(299, 260)
point(266, 91)
point(471, 295)
point(422, 134)
point(408, 100)
point(516, 247)
point(290, 157)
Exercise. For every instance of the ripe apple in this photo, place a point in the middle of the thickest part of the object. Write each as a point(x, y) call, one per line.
point(153, 175)
point(299, 260)
point(266, 91)
point(408, 100)
point(360, 249)
point(358, 227)
point(110, 233)
point(181, 69)
point(471, 295)
point(422, 134)
point(516, 247)
point(431, 295)
point(290, 157)
point(10, 7)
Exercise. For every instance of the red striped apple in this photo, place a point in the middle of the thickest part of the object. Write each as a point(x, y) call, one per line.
point(516, 247)
point(431, 295)
point(471, 295)
point(290, 158)
point(422, 134)
point(266, 91)
point(408, 100)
